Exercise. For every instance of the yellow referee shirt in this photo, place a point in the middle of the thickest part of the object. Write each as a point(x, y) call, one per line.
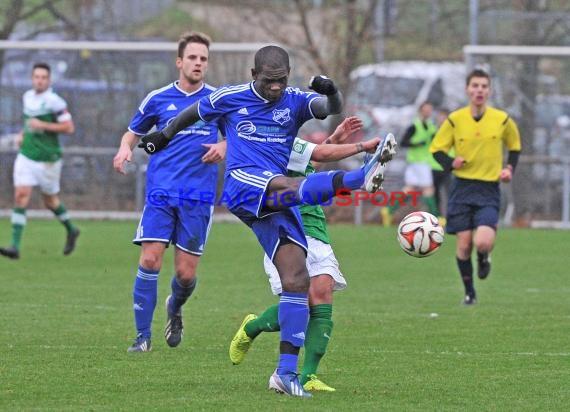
point(480, 143)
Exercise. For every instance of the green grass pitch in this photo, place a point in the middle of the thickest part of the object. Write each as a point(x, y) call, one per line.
point(67, 322)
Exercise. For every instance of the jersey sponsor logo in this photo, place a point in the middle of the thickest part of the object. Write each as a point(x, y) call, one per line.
point(281, 116)
point(245, 128)
point(243, 110)
point(172, 107)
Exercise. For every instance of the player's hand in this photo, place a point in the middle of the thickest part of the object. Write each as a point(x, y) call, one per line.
point(370, 146)
point(343, 131)
point(125, 154)
point(216, 152)
point(18, 141)
point(506, 175)
point(458, 163)
point(153, 142)
point(322, 85)
point(35, 124)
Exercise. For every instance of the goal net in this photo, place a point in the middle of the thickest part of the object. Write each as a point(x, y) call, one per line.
point(531, 84)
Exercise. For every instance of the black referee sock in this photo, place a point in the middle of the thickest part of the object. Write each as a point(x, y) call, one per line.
point(466, 273)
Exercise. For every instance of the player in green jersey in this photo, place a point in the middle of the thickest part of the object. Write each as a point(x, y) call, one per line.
point(39, 161)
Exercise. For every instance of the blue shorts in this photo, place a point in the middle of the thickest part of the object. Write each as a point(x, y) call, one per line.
point(245, 189)
point(462, 217)
point(244, 192)
point(185, 226)
point(472, 203)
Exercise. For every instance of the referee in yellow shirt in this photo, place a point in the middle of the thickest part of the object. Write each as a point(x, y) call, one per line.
point(478, 134)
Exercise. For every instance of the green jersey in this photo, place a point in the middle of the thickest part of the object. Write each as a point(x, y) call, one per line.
point(423, 134)
point(42, 145)
point(313, 216)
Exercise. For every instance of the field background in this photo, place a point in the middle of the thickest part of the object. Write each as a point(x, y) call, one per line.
point(66, 323)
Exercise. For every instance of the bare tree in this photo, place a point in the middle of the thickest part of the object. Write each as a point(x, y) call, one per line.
point(328, 38)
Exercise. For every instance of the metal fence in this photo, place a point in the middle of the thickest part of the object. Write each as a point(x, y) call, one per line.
point(104, 87)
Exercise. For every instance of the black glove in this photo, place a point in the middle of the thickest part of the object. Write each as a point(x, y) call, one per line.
point(153, 142)
point(322, 85)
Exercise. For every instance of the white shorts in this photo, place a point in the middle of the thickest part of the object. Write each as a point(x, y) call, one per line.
point(46, 175)
point(418, 175)
point(320, 261)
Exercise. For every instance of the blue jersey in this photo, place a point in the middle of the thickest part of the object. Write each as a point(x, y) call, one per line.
point(260, 133)
point(177, 171)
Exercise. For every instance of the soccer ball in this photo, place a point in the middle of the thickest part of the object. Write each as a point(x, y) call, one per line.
point(420, 234)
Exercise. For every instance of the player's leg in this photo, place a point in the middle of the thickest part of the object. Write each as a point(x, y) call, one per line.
point(193, 225)
point(53, 203)
point(387, 212)
point(486, 220)
point(25, 177)
point(430, 201)
point(22, 195)
point(145, 293)
point(182, 286)
point(318, 188)
point(253, 325)
point(319, 331)
point(460, 223)
point(49, 185)
point(289, 259)
point(375, 167)
point(325, 278)
point(282, 237)
point(463, 249)
point(154, 233)
point(439, 178)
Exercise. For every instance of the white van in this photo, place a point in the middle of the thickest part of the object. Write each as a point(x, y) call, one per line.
point(387, 95)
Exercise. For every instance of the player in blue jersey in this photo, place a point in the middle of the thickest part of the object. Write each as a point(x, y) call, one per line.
point(174, 212)
point(261, 120)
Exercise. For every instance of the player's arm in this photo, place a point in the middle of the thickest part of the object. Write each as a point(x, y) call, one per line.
point(407, 138)
point(513, 143)
point(216, 151)
point(442, 143)
point(334, 152)
point(65, 127)
point(125, 152)
point(19, 139)
point(156, 141)
point(332, 104)
point(343, 131)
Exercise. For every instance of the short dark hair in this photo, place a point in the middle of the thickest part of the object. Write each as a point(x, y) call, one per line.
point(192, 37)
point(273, 56)
point(477, 73)
point(41, 65)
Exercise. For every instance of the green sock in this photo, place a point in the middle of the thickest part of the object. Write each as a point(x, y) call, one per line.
point(18, 222)
point(432, 205)
point(396, 205)
point(268, 321)
point(317, 338)
point(61, 213)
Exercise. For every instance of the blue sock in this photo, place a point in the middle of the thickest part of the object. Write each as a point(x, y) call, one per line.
point(180, 294)
point(293, 319)
point(287, 363)
point(354, 179)
point(144, 299)
point(317, 188)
